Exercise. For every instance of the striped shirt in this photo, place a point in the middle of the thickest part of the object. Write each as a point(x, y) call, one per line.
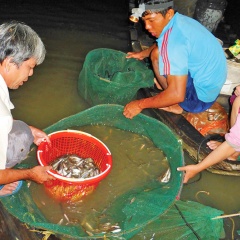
point(187, 47)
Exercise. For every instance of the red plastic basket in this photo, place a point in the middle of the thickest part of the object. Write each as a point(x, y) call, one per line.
point(83, 145)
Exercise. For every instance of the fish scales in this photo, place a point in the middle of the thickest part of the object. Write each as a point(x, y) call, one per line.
point(73, 166)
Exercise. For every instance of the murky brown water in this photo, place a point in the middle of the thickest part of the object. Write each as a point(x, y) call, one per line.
point(51, 93)
point(134, 165)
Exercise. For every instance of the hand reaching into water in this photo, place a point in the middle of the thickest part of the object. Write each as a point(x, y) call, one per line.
point(190, 172)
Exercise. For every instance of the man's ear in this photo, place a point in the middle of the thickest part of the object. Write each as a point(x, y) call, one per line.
point(7, 64)
point(170, 13)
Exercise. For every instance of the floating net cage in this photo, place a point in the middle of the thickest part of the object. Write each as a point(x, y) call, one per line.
point(154, 202)
point(84, 145)
point(148, 205)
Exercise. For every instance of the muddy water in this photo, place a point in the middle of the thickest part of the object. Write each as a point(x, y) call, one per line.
point(51, 93)
point(134, 165)
point(217, 191)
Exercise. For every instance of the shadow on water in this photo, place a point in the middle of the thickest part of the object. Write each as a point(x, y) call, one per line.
point(70, 31)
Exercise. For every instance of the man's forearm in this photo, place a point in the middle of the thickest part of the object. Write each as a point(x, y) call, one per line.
point(12, 175)
point(149, 50)
point(161, 100)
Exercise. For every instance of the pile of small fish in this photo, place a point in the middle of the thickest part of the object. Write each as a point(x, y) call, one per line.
point(73, 166)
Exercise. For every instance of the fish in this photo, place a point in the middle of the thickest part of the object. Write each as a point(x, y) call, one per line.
point(73, 166)
point(166, 176)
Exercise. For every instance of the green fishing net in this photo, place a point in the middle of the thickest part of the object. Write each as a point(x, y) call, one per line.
point(108, 76)
point(153, 210)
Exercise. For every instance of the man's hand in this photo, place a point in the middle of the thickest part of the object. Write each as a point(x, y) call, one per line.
point(143, 54)
point(39, 135)
point(136, 55)
point(39, 174)
point(132, 109)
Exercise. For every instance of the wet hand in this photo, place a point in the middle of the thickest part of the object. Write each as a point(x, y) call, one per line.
point(190, 172)
point(132, 109)
point(39, 174)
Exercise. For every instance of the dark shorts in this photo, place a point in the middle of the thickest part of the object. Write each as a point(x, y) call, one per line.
point(20, 140)
point(191, 102)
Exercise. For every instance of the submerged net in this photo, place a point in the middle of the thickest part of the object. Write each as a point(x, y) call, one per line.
point(108, 76)
point(150, 200)
point(144, 211)
point(186, 221)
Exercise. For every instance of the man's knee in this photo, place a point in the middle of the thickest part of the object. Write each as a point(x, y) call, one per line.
point(20, 140)
point(154, 55)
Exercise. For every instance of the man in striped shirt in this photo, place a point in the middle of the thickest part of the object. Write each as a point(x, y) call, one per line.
point(188, 62)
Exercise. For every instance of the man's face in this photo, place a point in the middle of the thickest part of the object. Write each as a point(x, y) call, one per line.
point(155, 22)
point(18, 75)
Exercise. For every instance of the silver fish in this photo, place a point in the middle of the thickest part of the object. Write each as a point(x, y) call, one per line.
point(166, 176)
point(73, 166)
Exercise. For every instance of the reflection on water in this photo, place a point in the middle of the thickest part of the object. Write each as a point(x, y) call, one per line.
point(137, 163)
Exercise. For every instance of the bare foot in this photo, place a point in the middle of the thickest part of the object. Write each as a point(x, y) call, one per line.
point(8, 188)
point(214, 144)
point(174, 109)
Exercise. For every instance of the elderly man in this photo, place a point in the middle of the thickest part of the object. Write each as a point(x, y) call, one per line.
point(188, 61)
point(21, 50)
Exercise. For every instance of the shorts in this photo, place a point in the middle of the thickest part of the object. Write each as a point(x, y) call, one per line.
point(232, 98)
point(20, 140)
point(191, 102)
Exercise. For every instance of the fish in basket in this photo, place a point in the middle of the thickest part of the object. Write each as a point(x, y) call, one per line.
point(79, 162)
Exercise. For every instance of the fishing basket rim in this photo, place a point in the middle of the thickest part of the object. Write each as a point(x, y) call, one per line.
point(89, 181)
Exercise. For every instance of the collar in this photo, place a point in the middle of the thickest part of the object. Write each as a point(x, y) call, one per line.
point(169, 25)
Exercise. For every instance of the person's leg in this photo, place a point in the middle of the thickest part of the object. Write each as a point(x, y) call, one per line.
point(20, 140)
point(161, 81)
point(192, 103)
point(213, 144)
point(173, 109)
